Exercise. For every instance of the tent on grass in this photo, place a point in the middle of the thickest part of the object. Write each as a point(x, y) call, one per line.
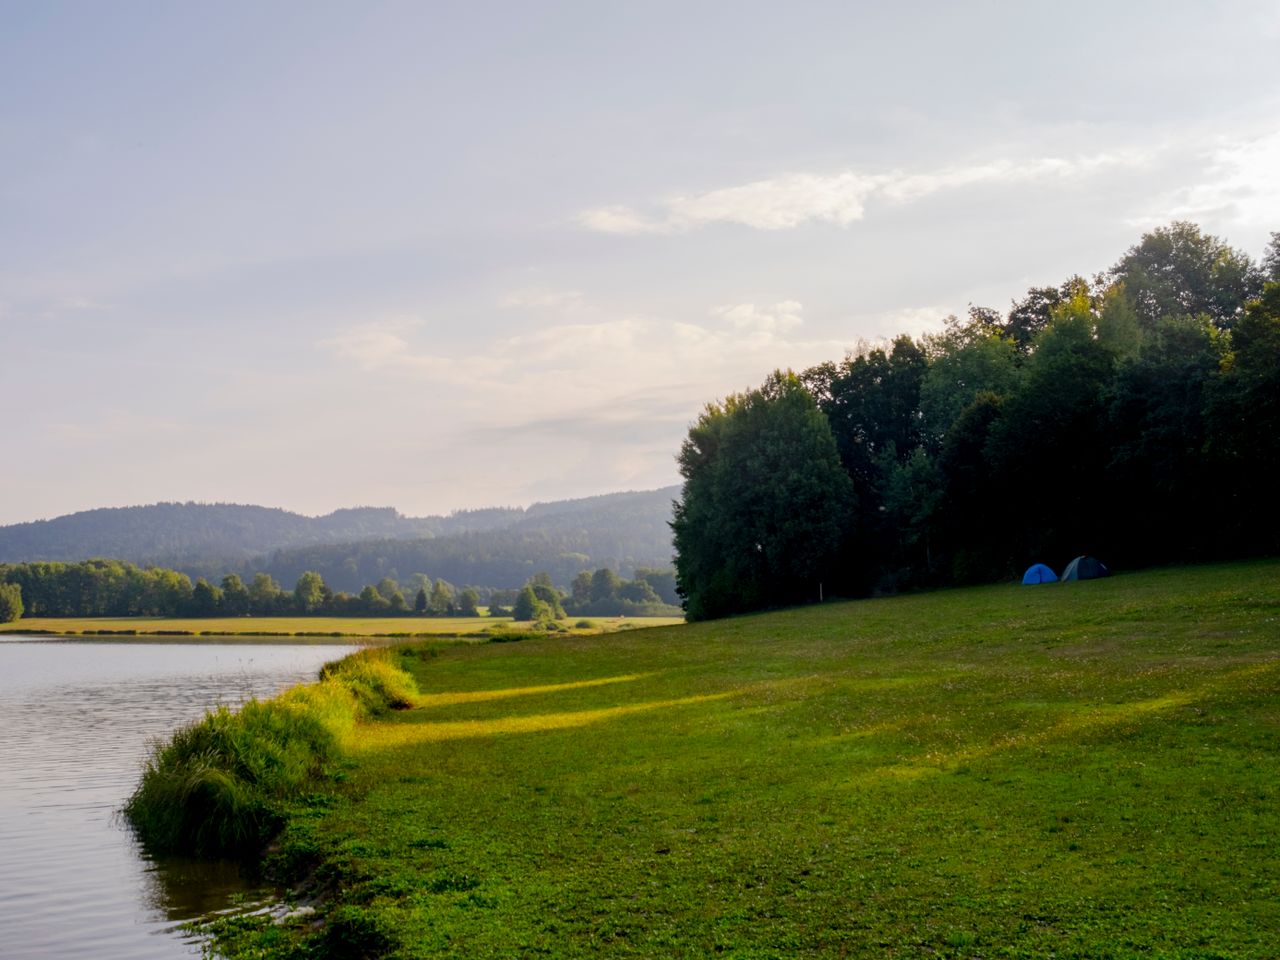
point(1039, 573)
point(1085, 568)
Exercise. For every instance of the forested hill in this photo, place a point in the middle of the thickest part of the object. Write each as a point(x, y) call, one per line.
point(211, 539)
point(621, 531)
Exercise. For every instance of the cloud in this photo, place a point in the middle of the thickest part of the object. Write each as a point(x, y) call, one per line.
point(776, 319)
point(1241, 185)
point(792, 200)
point(384, 346)
point(541, 299)
point(630, 371)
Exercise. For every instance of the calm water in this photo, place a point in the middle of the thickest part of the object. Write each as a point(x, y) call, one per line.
point(76, 718)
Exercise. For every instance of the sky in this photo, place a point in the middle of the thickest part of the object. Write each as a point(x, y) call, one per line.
point(443, 255)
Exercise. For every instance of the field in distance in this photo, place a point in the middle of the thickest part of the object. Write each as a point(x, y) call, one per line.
point(1086, 770)
point(311, 626)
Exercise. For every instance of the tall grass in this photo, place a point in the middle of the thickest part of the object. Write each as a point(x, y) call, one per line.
point(221, 785)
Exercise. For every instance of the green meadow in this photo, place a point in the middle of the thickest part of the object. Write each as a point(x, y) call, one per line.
point(319, 626)
point(1083, 770)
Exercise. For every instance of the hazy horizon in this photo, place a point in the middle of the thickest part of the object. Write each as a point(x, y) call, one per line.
point(441, 258)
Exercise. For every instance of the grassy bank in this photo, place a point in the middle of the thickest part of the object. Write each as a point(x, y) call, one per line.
point(394, 627)
point(223, 785)
point(1072, 770)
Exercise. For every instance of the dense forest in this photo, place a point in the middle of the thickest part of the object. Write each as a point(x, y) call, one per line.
point(499, 547)
point(1133, 416)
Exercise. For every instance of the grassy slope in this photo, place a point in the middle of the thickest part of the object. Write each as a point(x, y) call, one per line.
point(1077, 770)
point(268, 626)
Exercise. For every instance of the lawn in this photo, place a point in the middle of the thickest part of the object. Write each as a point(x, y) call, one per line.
point(306, 626)
point(1086, 770)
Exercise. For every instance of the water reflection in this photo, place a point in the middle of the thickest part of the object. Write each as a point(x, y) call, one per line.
point(76, 721)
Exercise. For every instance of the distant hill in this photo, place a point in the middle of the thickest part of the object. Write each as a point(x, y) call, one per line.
point(621, 530)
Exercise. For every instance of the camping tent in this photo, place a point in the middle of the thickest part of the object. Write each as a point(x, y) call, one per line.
point(1039, 573)
point(1085, 568)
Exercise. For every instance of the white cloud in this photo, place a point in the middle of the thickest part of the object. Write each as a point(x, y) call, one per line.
point(644, 371)
point(775, 319)
point(383, 346)
point(791, 200)
point(1241, 186)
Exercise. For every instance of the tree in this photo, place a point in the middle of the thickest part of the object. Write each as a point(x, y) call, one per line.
point(420, 602)
point(1052, 436)
point(10, 602)
point(637, 591)
point(1271, 259)
point(371, 601)
point(663, 583)
point(264, 594)
point(205, 599)
point(1178, 271)
point(965, 361)
point(235, 597)
point(765, 505)
point(1034, 312)
point(526, 605)
point(308, 594)
point(604, 584)
point(469, 603)
point(580, 589)
point(441, 598)
point(1244, 423)
point(390, 592)
point(540, 584)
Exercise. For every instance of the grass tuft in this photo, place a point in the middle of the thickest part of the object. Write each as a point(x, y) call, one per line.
point(221, 785)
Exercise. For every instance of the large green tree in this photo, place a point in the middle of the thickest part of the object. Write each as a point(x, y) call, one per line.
point(1180, 271)
point(765, 505)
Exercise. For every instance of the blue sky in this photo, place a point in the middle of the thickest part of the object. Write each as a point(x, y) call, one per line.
point(437, 255)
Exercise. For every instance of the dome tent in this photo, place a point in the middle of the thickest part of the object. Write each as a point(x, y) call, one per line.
point(1085, 568)
point(1039, 573)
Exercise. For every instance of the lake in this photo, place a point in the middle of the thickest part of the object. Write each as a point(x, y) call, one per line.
point(76, 721)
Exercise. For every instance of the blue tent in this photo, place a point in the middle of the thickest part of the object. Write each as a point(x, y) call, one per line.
point(1039, 573)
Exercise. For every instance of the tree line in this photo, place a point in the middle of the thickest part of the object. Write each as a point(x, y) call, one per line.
point(1134, 415)
point(115, 588)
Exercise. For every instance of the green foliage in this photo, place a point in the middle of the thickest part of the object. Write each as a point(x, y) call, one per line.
point(441, 603)
point(235, 596)
point(468, 603)
point(1179, 271)
point(765, 503)
point(526, 605)
point(308, 595)
point(10, 602)
point(604, 584)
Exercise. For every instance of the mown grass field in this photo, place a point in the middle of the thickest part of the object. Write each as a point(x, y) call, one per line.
point(304, 626)
point(1070, 770)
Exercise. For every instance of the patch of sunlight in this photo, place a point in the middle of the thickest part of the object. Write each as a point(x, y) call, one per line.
point(1083, 719)
point(387, 736)
point(478, 696)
